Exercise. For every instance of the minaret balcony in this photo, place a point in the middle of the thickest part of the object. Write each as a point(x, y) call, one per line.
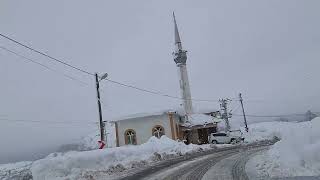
point(180, 57)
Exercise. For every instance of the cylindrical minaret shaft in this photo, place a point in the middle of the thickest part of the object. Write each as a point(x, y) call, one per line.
point(185, 88)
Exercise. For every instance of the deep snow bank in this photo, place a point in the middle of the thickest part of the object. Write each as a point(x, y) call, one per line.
point(90, 141)
point(75, 165)
point(296, 154)
point(265, 131)
point(19, 170)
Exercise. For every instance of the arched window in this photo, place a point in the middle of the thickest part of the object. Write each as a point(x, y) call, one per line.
point(158, 131)
point(130, 137)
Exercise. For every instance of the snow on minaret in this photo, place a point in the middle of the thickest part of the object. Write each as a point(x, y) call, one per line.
point(180, 58)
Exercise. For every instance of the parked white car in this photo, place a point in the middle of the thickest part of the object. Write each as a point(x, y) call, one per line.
point(232, 137)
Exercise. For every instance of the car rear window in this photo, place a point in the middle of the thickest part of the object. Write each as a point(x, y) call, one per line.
point(219, 134)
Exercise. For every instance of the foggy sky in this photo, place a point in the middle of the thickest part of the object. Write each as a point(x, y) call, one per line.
point(268, 50)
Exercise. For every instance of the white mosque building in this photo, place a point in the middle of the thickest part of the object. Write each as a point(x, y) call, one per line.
point(185, 125)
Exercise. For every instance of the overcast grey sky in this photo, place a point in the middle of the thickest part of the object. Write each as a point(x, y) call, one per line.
point(268, 50)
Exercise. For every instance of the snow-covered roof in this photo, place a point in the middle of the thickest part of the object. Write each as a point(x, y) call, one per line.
point(199, 119)
point(141, 115)
point(204, 110)
point(199, 116)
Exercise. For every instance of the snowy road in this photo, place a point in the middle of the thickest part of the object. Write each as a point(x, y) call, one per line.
point(226, 164)
point(232, 167)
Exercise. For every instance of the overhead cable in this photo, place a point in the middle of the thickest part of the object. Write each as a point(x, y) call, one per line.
point(47, 122)
point(46, 55)
point(157, 92)
point(275, 116)
point(89, 73)
point(45, 66)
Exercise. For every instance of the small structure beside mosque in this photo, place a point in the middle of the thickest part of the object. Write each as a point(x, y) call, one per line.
point(186, 126)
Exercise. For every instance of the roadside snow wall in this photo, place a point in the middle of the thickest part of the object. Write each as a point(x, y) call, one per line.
point(265, 131)
point(296, 154)
point(73, 165)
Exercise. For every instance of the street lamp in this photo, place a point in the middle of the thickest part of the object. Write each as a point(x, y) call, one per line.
point(104, 76)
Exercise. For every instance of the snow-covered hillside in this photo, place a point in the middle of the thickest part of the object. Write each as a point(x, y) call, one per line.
point(296, 154)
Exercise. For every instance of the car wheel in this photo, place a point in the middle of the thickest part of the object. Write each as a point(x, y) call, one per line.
point(233, 141)
point(214, 142)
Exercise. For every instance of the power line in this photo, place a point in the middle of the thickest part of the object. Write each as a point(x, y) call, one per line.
point(47, 122)
point(45, 66)
point(235, 109)
point(233, 105)
point(170, 96)
point(156, 92)
point(112, 81)
point(250, 115)
point(276, 116)
point(46, 55)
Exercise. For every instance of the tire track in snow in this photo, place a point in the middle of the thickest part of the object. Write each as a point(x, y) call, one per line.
point(232, 167)
point(195, 166)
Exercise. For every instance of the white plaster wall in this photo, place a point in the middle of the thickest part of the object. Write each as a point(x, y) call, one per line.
point(143, 127)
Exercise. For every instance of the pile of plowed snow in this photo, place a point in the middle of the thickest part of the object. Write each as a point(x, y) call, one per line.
point(265, 131)
point(20, 170)
point(84, 165)
point(296, 154)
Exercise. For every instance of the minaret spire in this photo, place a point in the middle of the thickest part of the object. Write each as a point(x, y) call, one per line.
point(180, 58)
point(180, 54)
point(177, 40)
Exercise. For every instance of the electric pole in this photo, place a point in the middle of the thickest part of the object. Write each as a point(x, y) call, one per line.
point(102, 131)
point(244, 115)
point(225, 114)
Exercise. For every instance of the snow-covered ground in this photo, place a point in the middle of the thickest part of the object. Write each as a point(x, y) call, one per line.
point(77, 165)
point(90, 141)
point(103, 163)
point(265, 131)
point(296, 154)
point(16, 170)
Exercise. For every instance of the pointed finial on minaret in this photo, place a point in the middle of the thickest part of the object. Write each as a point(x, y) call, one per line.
point(180, 55)
point(177, 40)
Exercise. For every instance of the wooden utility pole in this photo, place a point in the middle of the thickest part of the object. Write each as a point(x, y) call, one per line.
point(244, 115)
point(102, 131)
